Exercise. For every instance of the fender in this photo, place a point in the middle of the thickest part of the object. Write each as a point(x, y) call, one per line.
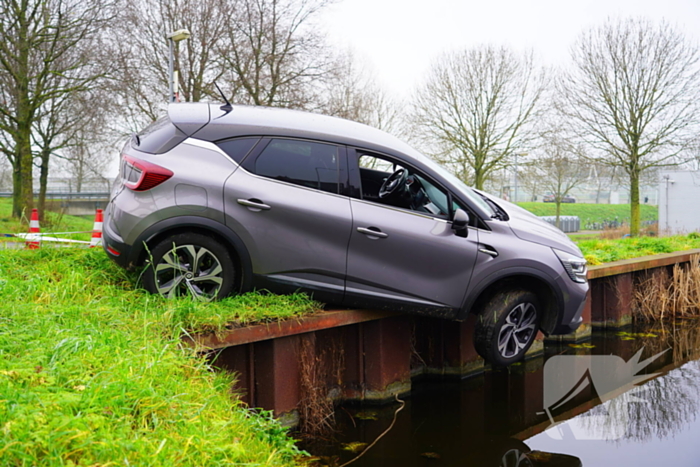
point(484, 283)
point(204, 223)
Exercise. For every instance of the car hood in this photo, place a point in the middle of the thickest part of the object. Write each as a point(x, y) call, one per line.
point(531, 228)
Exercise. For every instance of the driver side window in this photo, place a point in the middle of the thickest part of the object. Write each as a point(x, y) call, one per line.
point(373, 172)
point(386, 182)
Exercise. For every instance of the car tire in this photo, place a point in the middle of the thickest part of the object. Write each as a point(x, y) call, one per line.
point(507, 326)
point(190, 264)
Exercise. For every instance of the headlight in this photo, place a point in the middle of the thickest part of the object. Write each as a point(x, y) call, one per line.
point(575, 265)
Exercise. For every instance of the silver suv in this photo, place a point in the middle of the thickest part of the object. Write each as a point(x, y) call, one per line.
point(219, 200)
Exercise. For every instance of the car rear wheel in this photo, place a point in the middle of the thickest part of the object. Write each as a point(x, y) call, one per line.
point(507, 326)
point(190, 264)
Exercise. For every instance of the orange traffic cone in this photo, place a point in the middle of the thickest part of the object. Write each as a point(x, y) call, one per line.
point(96, 239)
point(33, 241)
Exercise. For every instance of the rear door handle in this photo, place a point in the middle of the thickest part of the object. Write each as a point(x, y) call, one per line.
point(372, 232)
point(254, 204)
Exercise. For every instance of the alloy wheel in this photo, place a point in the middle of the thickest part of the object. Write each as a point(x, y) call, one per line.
point(518, 330)
point(189, 270)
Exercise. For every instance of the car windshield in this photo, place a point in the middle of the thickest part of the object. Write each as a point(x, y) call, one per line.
point(468, 193)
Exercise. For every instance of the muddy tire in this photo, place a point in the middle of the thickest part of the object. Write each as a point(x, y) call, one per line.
point(507, 326)
point(190, 264)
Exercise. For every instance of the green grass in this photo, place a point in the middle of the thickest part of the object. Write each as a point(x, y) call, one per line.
point(53, 222)
point(92, 371)
point(598, 251)
point(593, 216)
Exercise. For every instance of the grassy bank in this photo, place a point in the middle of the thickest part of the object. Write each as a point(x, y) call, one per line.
point(593, 216)
point(92, 372)
point(598, 251)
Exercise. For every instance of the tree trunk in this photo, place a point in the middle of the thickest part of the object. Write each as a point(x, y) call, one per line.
point(478, 180)
point(24, 192)
point(43, 182)
point(26, 196)
point(16, 190)
point(557, 199)
point(634, 203)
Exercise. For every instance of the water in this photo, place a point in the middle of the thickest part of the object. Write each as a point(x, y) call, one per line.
point(499, 418)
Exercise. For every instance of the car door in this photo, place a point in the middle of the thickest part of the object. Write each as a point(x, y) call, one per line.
point(407, 256)
point(285, 205)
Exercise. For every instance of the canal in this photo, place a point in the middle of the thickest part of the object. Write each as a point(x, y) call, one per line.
point(624, 398)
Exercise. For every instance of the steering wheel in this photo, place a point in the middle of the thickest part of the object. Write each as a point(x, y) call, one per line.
point(394, 184)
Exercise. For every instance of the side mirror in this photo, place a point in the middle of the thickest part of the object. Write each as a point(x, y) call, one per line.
point(460, 223)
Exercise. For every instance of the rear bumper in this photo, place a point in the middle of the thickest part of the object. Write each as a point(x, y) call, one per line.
point(114, 245)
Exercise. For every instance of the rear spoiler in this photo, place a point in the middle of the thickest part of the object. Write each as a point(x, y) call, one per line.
point(189, 117)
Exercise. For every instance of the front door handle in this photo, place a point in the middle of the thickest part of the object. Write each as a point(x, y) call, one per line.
point(254, 204)
point(372, 232)
point(489, 251)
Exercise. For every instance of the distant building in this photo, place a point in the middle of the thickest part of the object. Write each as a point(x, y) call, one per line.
point(679, 202)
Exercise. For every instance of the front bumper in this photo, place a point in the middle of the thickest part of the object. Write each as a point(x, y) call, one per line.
point(571, 324)
point(575, 297)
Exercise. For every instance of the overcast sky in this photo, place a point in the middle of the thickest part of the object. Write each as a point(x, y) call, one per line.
point(398, 39)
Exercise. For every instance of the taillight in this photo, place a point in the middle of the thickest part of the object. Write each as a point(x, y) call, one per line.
point(141, 175)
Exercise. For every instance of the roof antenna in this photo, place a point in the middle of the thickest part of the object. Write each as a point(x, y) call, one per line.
point(226, 107)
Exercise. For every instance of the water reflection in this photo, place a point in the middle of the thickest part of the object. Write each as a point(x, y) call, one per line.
point(498, 419)
point(659, 409)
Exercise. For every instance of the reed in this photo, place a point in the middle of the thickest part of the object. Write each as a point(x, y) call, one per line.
point(664, 294)
point(316, 410)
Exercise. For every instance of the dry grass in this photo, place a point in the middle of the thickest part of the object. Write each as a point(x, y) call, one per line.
point(662, 296)
point(610, 233)
point(614, 233)
point(316, 408)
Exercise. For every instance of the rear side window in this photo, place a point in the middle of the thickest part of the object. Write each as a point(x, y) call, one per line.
point(159, 137)
point(238, 148)
point(304, 163)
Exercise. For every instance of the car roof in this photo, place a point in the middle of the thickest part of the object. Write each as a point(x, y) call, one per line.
point(242, 120)
point(245, 120)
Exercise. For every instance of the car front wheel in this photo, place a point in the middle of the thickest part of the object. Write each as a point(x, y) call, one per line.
point(190, 264)
point(507, 326)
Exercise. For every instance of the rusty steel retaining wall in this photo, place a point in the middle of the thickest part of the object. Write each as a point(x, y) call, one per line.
point(371, 356)
point(613, 285)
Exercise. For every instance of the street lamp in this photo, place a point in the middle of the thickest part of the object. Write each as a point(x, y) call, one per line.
point(173, 37)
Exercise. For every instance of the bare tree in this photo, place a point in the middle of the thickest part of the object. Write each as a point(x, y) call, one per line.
point(352, 93)
point(632, 93)
point(530, 177)
point(562, 167)
point(474, 107)
point(262, 52)
point(42, 39)
point(66, 121)
point(144, 53)
point(601, 176)
point(89, 141)
point(276, 56)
